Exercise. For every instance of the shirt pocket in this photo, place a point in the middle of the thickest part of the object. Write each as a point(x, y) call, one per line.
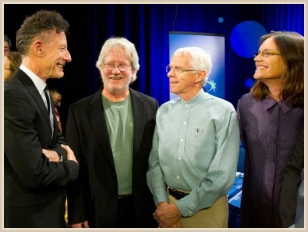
point(202, 140)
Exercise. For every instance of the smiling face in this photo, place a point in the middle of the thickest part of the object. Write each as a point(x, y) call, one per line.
point(53, 55)
point(185, 84)
point(116, 81)
point(271, 68)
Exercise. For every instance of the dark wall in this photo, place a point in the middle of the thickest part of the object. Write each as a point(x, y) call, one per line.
point(147, 26)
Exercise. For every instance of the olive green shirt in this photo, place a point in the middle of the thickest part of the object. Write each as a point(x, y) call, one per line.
point(119, 117)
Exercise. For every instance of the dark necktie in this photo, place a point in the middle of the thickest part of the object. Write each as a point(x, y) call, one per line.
point(49, 107)
point(47, 99)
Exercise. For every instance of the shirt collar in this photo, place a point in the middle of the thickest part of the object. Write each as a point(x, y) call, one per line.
point(284, 106)
point(194, 99)
point(38, 82)
point(270, 102)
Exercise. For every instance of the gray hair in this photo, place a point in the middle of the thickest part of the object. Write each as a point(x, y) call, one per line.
point(130, 50)
point(201, 59)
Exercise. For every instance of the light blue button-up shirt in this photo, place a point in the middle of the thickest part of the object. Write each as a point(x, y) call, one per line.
point(195, 148)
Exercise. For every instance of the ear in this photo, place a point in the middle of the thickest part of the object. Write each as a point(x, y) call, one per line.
point(200, 76)
point(38, 47)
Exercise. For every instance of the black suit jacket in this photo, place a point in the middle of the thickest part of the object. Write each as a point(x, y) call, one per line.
point(33, 187)
point(93, 196)
point(292, 180)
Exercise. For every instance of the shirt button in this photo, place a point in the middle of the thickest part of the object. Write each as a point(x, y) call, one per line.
point(185, 123)
point(178, 177)
point(180, 158)
point(189, 212)
point(182, 140)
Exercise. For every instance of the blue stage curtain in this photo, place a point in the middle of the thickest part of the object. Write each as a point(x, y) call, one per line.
point(148, 26)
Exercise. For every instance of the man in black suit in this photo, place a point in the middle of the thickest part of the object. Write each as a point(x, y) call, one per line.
point(37, 161)
point(111, 134)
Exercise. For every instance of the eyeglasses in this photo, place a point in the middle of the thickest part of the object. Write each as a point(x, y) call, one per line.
point(121, 67)
point(178, 69)
point(267, 54)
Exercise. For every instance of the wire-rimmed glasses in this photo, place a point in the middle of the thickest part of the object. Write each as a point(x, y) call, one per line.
point(267, 54)
point(178, 69)
point(121, 67)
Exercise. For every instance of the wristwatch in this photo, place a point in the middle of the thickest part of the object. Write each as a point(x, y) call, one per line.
point(60, 158)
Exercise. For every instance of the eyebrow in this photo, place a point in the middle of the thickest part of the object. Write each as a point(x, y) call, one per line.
point(270, 50)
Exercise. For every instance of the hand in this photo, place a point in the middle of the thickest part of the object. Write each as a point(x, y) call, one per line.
point(69, 153)
point(176, 225)
point(167, 215)
point(81, 225)
point(162, 204)
point(51, 155)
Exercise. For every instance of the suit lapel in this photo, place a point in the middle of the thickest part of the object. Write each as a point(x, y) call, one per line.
point(28, 83)
point(138, 112)
point(98, 121)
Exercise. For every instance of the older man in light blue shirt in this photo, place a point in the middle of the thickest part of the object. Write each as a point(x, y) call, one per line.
point(195, 148)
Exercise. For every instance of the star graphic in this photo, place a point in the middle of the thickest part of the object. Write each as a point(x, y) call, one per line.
point(212, 84)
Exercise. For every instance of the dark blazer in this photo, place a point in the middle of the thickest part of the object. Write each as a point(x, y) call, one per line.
point(93, 196)
point(292, 180)
point(33, 187)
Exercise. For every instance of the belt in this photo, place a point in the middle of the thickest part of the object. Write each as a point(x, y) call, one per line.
point(177, 194)
point(124, 196)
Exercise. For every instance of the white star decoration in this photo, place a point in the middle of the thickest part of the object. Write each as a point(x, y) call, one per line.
point(212, 84)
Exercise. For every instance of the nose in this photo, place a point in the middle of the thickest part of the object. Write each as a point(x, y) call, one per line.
point(116, 69)
point(67, 56)
point(170, 73)
point(257, 57)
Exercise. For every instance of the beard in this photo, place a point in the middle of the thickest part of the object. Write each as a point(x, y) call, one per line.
point(115, 87)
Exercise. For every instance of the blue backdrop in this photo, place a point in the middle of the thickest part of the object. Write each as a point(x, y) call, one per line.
point(148, 27)
point(215, 45)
